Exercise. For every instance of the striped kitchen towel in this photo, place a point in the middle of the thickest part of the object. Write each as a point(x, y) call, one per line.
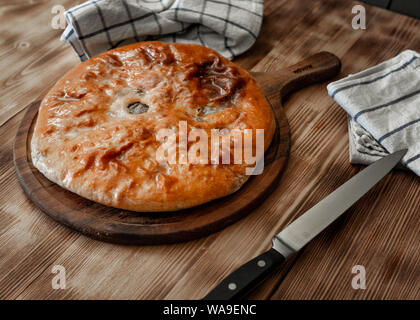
point(383, 103)
point(227, 26)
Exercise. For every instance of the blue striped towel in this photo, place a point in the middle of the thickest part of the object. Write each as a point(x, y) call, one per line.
point(383, 103)
point(227, 26)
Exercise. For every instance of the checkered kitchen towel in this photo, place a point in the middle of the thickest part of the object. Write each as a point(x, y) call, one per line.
point(383, 103)
point(227, 26)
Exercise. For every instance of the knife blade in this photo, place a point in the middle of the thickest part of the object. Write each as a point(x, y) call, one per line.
point(297, 234)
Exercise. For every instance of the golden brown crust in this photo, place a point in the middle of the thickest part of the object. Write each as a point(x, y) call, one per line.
point(87, 141)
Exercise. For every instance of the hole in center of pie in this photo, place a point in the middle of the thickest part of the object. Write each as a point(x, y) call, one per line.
point(202, 111)
point(137, 108)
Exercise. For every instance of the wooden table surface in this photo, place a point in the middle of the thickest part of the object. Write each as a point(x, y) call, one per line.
point(381, 232)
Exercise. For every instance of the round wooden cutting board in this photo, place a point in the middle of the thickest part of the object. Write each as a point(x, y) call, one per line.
point(128, 227)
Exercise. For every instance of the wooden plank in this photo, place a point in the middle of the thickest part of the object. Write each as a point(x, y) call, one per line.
point(32, 55)
point(380, 232)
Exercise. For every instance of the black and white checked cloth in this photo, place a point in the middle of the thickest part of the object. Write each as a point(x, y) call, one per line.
point(227, 26)
point(383, 103)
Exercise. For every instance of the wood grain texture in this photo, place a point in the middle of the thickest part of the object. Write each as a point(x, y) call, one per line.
point(380, 232)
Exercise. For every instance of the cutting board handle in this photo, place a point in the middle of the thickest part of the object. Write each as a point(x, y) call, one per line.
point(317, 68)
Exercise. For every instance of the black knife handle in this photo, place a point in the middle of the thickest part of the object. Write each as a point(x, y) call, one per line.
point(243, 279)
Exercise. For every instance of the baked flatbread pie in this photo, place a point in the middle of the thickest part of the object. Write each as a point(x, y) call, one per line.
point(98, 130)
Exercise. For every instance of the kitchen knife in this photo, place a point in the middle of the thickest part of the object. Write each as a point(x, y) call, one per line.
point(297, 234)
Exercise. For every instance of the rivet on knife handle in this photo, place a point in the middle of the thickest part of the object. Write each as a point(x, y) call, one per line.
point(243, 279)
